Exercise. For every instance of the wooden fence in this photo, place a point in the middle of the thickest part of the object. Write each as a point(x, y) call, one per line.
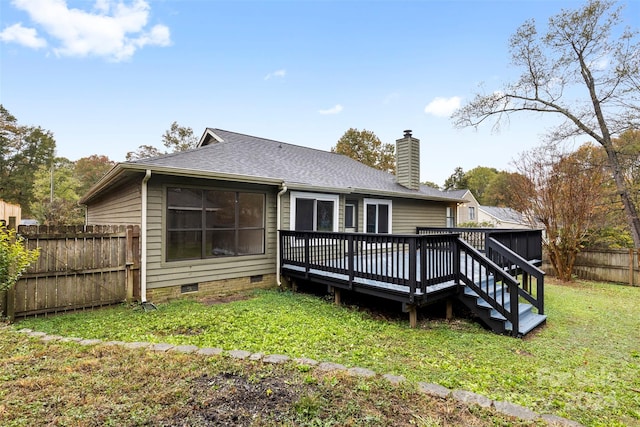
point(79, 267)
point(612, 265)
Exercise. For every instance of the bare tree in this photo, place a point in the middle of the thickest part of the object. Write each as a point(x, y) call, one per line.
point(563, 192)
point(580, 72)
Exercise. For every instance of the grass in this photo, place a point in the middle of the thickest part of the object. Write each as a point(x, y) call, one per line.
point(583, 365)
point(65, 384)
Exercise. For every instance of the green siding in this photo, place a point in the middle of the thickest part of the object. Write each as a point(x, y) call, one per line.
point(120, 206)
point(409, 214)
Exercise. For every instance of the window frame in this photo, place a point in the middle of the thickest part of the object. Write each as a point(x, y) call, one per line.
point(378, 202)
point(353, 206)
point(472, 213)
point(205, 230)
point(450, 219)
point(294, 195)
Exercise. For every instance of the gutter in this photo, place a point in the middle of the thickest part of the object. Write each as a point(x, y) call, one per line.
point(143, 239)
point(283, 189)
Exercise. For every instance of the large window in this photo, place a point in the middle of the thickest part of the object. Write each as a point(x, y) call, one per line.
point(212, 223)
point(377, 216)
point(314, 212)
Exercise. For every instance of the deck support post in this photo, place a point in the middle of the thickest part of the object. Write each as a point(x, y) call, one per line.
point(336, 296)
point(413, 316)
point(449, 313)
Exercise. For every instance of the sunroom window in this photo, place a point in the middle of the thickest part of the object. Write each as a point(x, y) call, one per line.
point(212, 223)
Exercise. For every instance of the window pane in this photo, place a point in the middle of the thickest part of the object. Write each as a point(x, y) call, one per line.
point(184, 198)
point(383, 218)
point(181, 219)
point(324, 215)
point(221, 242)
point(221, 209)
point(348, 216)
point(184, 245)
point(304, 214)
point(371, 218)
point(251, 210)
point(250, 242)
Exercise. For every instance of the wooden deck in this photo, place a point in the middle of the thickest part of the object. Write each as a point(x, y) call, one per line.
point(418, 270)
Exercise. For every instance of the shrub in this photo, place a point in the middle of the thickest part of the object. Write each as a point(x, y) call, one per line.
point(14, 257)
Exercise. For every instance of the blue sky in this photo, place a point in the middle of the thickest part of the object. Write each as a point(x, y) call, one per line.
point(108, 76)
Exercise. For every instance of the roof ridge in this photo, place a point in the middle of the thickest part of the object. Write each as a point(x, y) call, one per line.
point(282, 142)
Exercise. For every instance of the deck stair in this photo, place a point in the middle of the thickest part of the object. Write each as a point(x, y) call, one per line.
point(493, 319)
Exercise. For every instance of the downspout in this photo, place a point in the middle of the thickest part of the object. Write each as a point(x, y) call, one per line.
point(143, 240)
point(283, 189)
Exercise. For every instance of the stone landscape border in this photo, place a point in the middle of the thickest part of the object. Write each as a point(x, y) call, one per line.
point(433, 390)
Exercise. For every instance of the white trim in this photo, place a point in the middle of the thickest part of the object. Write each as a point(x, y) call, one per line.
point(378, 202)
point(283, 189)
point(293, 195)
point(143, 237)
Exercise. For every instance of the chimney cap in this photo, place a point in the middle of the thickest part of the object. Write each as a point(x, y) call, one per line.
point(407, 133)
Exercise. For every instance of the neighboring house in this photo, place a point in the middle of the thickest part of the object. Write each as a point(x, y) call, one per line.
point(467, 210)
point(472, 211)
point(10, 214)
point(502, 217)
point(209, 216)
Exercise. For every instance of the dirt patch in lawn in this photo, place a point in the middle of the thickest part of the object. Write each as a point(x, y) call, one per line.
point(229, 399)
point(280, 397)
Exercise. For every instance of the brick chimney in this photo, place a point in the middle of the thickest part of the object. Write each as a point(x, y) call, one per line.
point(408, 161)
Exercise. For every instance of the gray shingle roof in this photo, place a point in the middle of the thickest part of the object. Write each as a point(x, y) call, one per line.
point(251, 156)
point(504, 214)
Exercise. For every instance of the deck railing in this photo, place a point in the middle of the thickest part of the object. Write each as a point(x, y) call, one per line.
point(414, 261)
point(409, 264)
point(525, 242)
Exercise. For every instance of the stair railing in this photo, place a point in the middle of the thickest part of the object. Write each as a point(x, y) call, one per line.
point(488, 280)
point(529, 277)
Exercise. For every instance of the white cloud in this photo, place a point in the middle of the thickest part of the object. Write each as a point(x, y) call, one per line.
point(114, 29)
point(333, 110)
point(24, 36)
point(277, 73)
point(443, 107)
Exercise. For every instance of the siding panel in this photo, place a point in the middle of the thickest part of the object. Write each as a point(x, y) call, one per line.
point(121, 206)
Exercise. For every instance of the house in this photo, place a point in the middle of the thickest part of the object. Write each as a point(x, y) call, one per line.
point(210, 216)
point(10, 215)
point(470, 211)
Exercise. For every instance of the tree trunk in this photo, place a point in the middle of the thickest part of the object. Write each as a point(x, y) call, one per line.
point(630, 211)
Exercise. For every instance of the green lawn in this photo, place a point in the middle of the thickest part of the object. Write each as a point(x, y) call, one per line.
point(583, 365)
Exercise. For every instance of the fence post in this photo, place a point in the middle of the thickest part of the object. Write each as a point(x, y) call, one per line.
point(3, 303)
point(11, 303)
point(631, 251)
point(129, 261)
